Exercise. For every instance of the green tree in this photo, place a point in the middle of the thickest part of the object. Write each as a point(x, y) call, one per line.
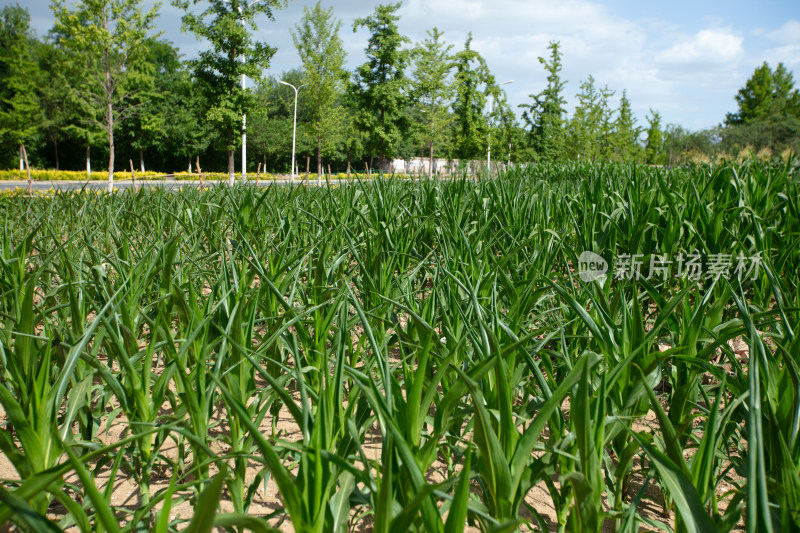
point(379, 84)
point(320, 48)
point(106, 42)
point(186, 132)
point(766, 93)
point(680, 142)
point(233, 54)
point(655, 138)
point(546, 115)
point(768, 114)
point(432, 89)
point(506, 132)
point(146, 129)
point(19, 104)
point(54, 101)
point(471, 126)
point(353, 142)
point(584, 127)
point(774, 132)
point(625, 136)
point(604, 147)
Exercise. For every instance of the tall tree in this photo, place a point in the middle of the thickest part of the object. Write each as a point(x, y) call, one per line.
point(545, 116)
point(655, 138)
point(626, 133)
point(379, 84)
point(146, 129)
point(584, 127)
point(767, 93)
point(320, 48)
point(19, 105)
point(506, 131)
point(471, 126)
point(353, 144)
point(106, 39)
point(186, 132)
point(233, 55)
point(432, 89)
point(604, 146)
point(54, 101)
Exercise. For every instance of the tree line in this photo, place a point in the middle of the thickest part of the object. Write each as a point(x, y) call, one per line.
point(103, 85)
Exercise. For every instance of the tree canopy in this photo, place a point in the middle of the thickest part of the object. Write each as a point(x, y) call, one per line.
point(104, 84)
point(322, 53)
point(234, 54)
point(379, 85)
point(766, 94)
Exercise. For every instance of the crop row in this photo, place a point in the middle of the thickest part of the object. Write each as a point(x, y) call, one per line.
point(397, 355)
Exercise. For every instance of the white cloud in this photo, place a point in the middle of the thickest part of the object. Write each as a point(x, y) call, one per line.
point(706, 47)
point(789, 33)
point(787, 51)
point(789, 55)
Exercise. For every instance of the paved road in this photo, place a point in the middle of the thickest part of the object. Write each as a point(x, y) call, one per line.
point(127, 184)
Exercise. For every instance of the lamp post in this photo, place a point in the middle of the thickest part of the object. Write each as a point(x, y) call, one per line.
point(294, 125)
point(489, 135)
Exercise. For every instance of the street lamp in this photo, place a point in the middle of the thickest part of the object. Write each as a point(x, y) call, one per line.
point(489, 140)
point(294, 126)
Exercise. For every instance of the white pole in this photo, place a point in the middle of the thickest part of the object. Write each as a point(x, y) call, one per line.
point(294, 133)
point(244, 140)
point(244, 120)
point(294, 125)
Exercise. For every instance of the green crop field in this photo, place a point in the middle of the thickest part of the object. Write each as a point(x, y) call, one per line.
point(394, 355)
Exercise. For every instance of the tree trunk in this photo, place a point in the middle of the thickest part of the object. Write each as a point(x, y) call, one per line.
point(88, 163)
point(319, 155)
point(110, 151)
point(430, 170)
point(231, 170)
point(55, 150)
point(199, 170)
point(382, 149)
point(190, 164)
point(133, 175)
point(109, 121)
point(141, 160)
point(24, 155)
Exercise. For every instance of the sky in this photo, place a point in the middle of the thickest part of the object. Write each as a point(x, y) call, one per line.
point(684, 59)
